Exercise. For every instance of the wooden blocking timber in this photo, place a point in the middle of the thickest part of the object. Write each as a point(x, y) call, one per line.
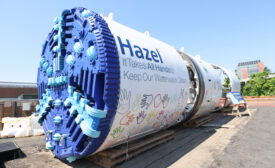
point(227, 109)
point(113, 156)
point(197, 121)
point(241, 109)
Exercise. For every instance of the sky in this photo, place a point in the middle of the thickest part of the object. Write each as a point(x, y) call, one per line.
point(223, 32)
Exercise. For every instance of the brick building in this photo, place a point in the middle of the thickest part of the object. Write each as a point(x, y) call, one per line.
point(17, 99)
point(15, 89)
point(245, 69)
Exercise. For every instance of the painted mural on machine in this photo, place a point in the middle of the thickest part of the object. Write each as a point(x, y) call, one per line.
point(102, 83)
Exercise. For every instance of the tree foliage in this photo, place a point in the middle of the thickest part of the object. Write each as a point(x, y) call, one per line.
point(238, 76)
point(225, 88)
point(259, 85)
point(267, 70)
point(226, 82)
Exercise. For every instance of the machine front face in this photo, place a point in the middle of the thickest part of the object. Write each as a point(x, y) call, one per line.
point(78, 81)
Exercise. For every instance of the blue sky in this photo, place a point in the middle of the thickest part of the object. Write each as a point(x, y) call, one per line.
point(222, 32)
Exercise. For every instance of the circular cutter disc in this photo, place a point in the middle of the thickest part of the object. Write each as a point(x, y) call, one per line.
point(78, 82)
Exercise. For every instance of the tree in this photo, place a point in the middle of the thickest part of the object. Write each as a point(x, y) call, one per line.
point(266, 69)
point(260, 84)
point(238, 76)
point(226, 82)
point(226, 86)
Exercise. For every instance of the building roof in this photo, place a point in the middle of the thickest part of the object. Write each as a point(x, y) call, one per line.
point(249, 63)
point(8, 84)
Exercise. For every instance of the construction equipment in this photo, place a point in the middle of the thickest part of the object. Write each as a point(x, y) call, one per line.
point(101, 83)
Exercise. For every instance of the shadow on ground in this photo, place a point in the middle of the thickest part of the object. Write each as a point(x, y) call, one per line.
point(166, 154)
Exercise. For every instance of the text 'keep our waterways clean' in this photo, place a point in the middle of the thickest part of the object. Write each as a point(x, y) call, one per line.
point(145, 76)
